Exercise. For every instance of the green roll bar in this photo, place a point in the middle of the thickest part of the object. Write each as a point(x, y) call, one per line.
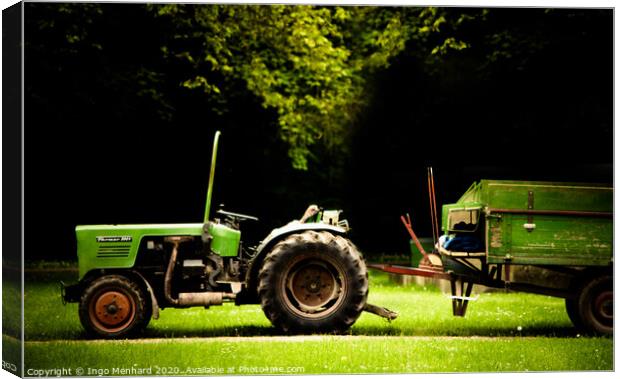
point(211, 176)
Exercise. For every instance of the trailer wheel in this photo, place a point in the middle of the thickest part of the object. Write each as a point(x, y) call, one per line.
point(113, 306)
point(572, 310)
point(595, 305)
point(313, 282)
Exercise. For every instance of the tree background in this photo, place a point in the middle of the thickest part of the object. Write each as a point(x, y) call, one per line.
point(340, 106)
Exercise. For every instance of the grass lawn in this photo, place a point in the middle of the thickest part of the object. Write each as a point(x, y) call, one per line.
point(501, 332)
point(11, 319)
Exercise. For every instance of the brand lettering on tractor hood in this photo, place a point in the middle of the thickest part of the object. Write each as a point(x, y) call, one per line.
point(113, 238)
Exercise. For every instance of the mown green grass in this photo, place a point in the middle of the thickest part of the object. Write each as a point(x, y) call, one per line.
point(11, 318)
point(423, 311)
point(501, 332)
point(332, 354)
point(11, 304)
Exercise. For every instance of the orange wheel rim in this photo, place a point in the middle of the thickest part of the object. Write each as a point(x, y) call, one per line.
point(112, 311)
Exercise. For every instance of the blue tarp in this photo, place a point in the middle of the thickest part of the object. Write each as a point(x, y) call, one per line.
point(464, 243)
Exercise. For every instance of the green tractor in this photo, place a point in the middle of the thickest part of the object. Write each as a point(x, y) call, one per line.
point(307, 276)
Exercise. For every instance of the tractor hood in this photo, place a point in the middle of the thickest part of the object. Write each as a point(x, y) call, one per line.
point(116, 246)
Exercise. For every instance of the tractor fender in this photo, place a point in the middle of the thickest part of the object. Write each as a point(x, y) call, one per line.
point(277, 235)
point(154, 304)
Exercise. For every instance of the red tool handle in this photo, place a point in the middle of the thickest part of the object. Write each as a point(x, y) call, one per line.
point(415, 239)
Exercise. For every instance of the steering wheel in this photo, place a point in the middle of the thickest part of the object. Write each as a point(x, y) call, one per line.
point(236, 216)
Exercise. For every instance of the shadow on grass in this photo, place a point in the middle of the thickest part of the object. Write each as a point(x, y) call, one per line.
point(531, 331)
point(227, 331)
point(155, 332)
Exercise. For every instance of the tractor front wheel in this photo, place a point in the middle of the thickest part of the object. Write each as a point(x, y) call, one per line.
point(113, 306)
point(313, 282)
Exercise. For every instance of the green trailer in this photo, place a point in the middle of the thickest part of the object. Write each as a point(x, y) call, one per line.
point(497, 225)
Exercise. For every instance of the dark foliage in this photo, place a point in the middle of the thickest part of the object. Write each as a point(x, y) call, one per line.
point(112, 135)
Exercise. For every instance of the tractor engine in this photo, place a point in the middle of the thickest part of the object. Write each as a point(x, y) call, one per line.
point(199, 270)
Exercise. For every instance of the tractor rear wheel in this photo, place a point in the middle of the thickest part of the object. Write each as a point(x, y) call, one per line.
point(313, 282)
point(113, 306)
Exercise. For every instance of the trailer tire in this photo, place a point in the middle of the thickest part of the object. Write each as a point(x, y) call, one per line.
point(572, 310)
point(313, 282)
point(114, 306)
point(595, 305)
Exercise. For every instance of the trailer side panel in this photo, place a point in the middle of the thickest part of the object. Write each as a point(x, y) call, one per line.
point(549, 240)
point(543, 223)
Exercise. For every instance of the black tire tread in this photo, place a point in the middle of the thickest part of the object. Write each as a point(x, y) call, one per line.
point(573, 313)
point(355, 270)
point(587, 322)
point(143, 308)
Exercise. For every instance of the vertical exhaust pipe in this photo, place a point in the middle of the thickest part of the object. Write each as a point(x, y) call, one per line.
point(168, 277)
point(211, 176)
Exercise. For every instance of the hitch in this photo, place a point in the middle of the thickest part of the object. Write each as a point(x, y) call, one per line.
point(380, 311)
